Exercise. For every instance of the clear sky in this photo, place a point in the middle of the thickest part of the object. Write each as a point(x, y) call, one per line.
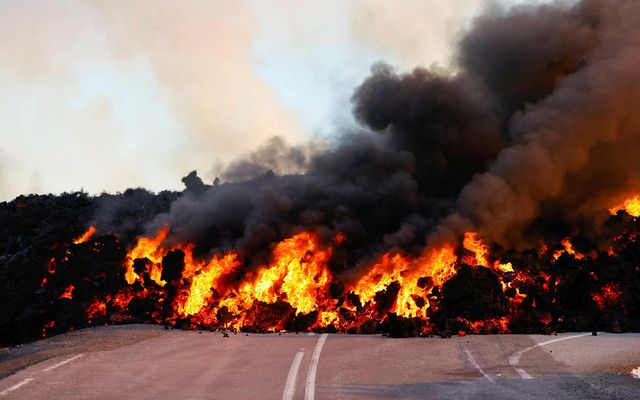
point(105, 95)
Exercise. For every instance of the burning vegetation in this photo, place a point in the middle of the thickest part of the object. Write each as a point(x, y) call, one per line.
point(501, 198)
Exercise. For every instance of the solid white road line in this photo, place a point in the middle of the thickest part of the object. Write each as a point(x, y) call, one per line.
point(61, 363)
point(515, 357)
point(523, 374)
point(290, 385)
point(16, 386)
point(475, 364)
point(310, 389)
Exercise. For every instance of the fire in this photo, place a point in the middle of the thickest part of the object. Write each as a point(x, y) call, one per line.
point(568, 248)
point(630, 205)
point(122, 299)
point(68, 292)
point(206, 278)
point(150, 249)
point(473, 243)
point(298, 275)
point(435, 264)
point(85, 236)
point(609, 295)
point(96, 310)
point(496, 325)
point(301, 286)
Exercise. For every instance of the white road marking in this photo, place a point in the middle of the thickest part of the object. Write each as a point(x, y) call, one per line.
point(310, 389)
point(523, 374)
point(16, 386)
point(29, 379)
point(290, 385)
point(515, 357)
point(636, 373)
point(475, 364)
point(61, 363)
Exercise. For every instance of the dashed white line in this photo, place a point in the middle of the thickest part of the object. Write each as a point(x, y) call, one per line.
point(290, 385)
point(16, 386)
point(61, 363)
point(29, 379)
point(475, 364)
point(310, 389)
point(515, 357)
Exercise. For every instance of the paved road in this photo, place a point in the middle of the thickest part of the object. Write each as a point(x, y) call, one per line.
point(148, 362)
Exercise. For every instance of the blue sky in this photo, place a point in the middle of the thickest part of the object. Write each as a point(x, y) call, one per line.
point(108, 96)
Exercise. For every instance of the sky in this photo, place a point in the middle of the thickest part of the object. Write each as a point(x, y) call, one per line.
point(106, 95)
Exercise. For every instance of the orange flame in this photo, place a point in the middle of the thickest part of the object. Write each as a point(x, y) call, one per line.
point(297, 281)
point(85, 236)
point(473, 243)
point(205, 279)
point(630, 205)
point(437, 264)
point(150, 249)
point(298, 274)
point(568, 248)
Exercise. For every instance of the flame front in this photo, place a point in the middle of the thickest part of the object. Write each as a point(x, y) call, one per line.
point(302, 286)
point(631, 206)
point(85, 236)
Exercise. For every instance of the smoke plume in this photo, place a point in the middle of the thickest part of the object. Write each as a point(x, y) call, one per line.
point(537, 124)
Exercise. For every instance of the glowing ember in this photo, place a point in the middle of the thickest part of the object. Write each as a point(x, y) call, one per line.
point(52, 266)
point(96, 310)
point(608, 296)
point(68, 293)
point(85, 236)
point(47, 327)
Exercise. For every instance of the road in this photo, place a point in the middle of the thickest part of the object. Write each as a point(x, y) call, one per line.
point(148, 362)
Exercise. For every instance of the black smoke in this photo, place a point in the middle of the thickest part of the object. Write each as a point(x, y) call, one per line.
point(537, 122)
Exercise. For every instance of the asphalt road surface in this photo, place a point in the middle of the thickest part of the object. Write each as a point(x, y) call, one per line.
point(148, 362)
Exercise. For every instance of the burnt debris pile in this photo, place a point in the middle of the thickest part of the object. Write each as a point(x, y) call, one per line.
point(501, 196)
